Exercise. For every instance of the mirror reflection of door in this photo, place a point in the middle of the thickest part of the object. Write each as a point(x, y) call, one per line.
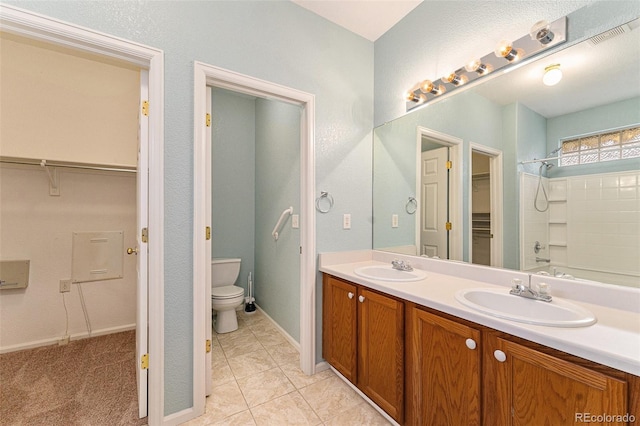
point(481, 208)
point(434, 211)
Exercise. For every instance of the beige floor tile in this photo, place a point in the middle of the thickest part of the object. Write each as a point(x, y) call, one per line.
point(362, 414)
point(299, 379)
point(265, 386)
point(330, 397)
point(271, 338)
point(240, 333)
point(240, 346)
point(284, 354)
point(289, 409)
point(251, 363)
point(221, 374)
point(243, 418)
point(225, 400)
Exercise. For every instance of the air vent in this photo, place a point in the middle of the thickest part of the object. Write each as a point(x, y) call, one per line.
point(600, 38)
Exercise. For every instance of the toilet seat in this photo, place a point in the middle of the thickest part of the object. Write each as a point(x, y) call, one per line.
point(226, 292)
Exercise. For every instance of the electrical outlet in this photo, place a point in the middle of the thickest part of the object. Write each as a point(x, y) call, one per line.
point(295, 221)
point(65, 286)
point(346, 221)
point(394, 220)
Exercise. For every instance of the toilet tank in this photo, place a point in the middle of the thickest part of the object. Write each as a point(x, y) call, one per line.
point(224, 271)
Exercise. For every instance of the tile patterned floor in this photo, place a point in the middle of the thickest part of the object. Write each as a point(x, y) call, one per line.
point(257, 381)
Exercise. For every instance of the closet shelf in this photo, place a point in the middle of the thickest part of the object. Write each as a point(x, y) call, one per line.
point(66, 164)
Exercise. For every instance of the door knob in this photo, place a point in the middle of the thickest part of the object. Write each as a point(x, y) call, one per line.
point(471, 344)
point(500, 356)
point(132, 250)
point(350, 295)
point(361, 299)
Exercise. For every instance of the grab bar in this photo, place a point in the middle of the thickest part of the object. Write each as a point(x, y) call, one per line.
point(283, 217)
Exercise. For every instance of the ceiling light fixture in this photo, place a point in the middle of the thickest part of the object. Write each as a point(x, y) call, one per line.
point(552, 75)
point(412, 97)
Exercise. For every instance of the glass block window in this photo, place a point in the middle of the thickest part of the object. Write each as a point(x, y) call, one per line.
point(616, 145)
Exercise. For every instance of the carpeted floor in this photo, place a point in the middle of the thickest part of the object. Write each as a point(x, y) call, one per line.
point(87, 382)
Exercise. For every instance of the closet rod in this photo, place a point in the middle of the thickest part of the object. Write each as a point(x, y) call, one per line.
point(43, 163)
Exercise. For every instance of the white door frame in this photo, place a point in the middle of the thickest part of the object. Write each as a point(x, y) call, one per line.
point(455, 186)
point(39, 27)
point(208, 75)
point(496, 196)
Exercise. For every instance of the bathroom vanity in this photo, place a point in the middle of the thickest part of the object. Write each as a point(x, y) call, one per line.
point(425, 358)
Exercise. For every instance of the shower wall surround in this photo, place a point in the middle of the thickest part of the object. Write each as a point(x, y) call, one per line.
point(591, 229)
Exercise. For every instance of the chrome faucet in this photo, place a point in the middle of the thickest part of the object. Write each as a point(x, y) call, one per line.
point(521, 290)
point(401, 265)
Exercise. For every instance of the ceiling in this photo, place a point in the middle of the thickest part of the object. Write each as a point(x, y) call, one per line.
point(368, 18)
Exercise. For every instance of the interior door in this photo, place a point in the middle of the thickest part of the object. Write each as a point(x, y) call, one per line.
point(208, 383)
point(142, 223)
point(434, 208)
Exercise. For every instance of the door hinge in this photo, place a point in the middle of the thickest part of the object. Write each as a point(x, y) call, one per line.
point(208, 346)
point(447, 226)
point(145, 108)
point(145, 235)
point(207, 233)
point(208, 119)
point(449, 165)
point(144, 362)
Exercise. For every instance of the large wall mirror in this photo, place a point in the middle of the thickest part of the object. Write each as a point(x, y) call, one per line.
point(556, 216)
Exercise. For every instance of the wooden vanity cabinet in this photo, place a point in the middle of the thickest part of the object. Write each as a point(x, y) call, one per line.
point(363, 338)
point(443, 370)
point(527, 384)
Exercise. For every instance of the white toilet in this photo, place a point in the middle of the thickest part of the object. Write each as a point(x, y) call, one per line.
point(225, 297)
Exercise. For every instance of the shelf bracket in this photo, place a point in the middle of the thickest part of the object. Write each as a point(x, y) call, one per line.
point(54, 181)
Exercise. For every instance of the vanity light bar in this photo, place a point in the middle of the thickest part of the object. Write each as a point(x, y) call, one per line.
point(526, 47)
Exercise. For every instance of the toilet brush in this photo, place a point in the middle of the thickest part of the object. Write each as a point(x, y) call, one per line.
point(250, 307)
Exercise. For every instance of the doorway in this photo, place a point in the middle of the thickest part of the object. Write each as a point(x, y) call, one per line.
point(439, 201)
point(485, 206)
point(41, 29)
point(206, 77)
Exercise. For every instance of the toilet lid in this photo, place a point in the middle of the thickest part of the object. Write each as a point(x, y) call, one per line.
point(226, 292)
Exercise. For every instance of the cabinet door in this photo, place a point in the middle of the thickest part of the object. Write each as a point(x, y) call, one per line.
point(443, 371)
point(528, 387)
point(339, 326)
point(381, 351)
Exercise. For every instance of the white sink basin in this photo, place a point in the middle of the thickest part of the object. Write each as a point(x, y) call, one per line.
point(387, 273)
point(501, 304)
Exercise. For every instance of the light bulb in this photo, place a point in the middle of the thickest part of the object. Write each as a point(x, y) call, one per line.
point(552, 75)
point(477, 66)
point(412, 97)
point(506, 50)
point(540, 31)
point(427, 86)
point(455, 79)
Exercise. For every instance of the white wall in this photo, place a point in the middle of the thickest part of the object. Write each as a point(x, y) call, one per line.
point(39, 227)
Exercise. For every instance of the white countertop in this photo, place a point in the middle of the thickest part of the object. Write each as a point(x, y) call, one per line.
point(613, 341)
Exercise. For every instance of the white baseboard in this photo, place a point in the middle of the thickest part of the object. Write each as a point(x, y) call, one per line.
point(54, 340)
point(280, 329)
point(321, 366)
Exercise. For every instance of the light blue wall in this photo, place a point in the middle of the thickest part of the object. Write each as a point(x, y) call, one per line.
point(276, 41)
point(593, 120)
point(277, 277)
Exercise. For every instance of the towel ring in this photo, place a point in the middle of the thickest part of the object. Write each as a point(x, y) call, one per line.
point(411, 206)
point(326, 196)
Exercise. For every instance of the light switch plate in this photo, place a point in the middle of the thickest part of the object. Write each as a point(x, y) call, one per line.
point(346, 221)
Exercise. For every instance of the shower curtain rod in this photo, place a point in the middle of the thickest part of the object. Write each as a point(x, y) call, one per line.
point(540, 160)
point(45, 163)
